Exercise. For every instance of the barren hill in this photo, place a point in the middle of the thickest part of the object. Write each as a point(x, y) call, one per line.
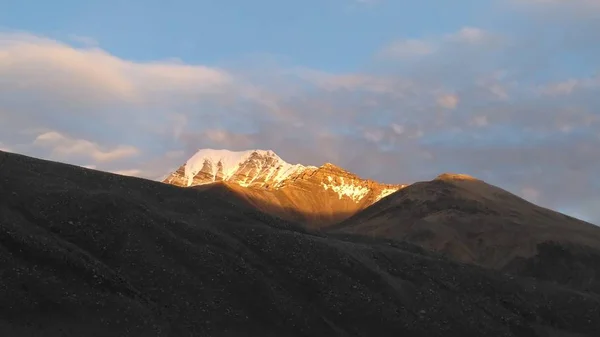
point(87, 253)
point(474, 222)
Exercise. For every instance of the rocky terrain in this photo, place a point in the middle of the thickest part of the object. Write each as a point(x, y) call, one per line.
point(475, 222)
point(314, 196)
point(87, 253)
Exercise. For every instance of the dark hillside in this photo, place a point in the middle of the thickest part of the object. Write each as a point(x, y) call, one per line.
point(87, 253)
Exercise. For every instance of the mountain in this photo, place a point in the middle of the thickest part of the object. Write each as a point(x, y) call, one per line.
point(457, 215)
point(88, 253)
point(475, 222)
point(256, 168)
point(314, 196)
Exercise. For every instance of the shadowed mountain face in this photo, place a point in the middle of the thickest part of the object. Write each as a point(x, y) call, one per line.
point(314, 196)
point(472, 221)
point(86, 253)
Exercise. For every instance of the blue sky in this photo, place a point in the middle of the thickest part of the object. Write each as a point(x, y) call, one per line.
point(313, 33)
point(393, 90)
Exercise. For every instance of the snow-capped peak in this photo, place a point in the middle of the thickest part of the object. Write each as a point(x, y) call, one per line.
point(229, 160)
point(224, 164)
point(265, 169)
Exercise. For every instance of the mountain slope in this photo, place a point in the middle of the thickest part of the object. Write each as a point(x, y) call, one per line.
point(313, 196)
point(469, 220)
point(87, 253)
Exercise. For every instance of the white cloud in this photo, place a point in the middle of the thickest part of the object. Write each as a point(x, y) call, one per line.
point(132, 172)
point(448, 101)
point(351, 82)
point(63, 147)
point(398, 129)
point(562, 88)
point(567, 87)
point(179, 121)
point(57, 71)
point(415, 48)
point(374, 135)
point(217, 136)
point(499, 91)
point(479, 121)
point(85, 41)
point(469, 35)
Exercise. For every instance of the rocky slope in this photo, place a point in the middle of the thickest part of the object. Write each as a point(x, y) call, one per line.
point(87, 253)
point(474, 222)
point(313, 196)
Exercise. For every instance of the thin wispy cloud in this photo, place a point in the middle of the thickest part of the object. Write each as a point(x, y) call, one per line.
point(408, 48)
point(62, 146)
point(85, 41)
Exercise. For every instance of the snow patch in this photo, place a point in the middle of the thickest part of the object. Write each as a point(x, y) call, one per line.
point(351, 191)
point(385, 192)
point(284, 170)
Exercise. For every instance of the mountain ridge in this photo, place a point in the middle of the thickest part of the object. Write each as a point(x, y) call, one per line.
point(319, 196)
point(257, 168)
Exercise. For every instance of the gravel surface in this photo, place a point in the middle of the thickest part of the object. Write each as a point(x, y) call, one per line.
point(86, 253)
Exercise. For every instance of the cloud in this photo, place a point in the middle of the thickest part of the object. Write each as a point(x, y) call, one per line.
point(479, 121)
point(374, 135)
point(398, 129)
point(64, 147)
point(465, 37)
point(132, 173)
point(569, 86)
point(448, 101)
point(470, 35)
point(353, 82)
point(408, 48)
point(88, 77)
point(498, 91)
point(474, 100)
point(85, 41)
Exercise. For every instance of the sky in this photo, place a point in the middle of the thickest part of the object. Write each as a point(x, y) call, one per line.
point(392, 90)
